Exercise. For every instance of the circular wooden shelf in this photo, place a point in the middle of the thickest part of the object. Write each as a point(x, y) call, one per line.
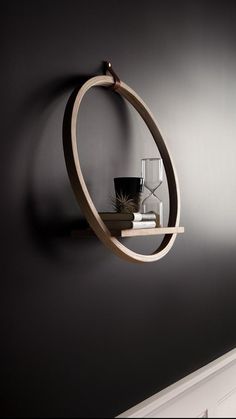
point(78, 183)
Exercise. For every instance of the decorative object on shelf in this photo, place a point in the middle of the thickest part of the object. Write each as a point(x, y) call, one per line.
point(125, 224)
point(79, 186)
point(117, 221)
point(127, 216)
point(152, 173)
point(123, 204)
point(128, 193)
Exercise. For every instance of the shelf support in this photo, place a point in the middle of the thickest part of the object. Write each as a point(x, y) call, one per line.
point(109, 69)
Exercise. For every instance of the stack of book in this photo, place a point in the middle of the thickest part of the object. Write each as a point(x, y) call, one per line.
point(123, 221)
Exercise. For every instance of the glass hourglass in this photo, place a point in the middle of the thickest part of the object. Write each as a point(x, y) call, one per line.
point(152, 173)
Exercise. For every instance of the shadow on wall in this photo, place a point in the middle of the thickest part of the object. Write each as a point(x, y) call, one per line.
point(48, 221)
point(46, 218)
point(50, 208)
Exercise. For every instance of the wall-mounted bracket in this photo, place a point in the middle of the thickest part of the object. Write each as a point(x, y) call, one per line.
point(109, 68)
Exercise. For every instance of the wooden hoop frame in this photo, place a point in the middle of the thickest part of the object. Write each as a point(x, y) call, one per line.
point(78, 183)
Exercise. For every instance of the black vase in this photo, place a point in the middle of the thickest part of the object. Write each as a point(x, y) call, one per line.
point(128, 193)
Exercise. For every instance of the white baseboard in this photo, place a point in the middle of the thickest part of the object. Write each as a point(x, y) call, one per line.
point(208, 392)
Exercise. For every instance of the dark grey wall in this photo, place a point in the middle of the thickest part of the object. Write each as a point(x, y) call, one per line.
point(83, 333)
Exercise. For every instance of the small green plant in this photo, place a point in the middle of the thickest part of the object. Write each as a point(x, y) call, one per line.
point(122, 203)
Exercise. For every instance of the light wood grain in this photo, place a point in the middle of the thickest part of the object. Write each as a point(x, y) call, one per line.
point(151, 231)
point(78, 183)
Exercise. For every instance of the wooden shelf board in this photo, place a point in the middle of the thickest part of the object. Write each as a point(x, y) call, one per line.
point(151, 231)
point(132, 232)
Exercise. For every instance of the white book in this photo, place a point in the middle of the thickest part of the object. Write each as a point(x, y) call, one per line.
point(144, 224)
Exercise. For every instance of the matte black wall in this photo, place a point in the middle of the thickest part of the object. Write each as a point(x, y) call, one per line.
point(83, 333)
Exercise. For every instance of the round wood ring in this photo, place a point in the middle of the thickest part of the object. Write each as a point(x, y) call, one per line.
point(78, 182)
